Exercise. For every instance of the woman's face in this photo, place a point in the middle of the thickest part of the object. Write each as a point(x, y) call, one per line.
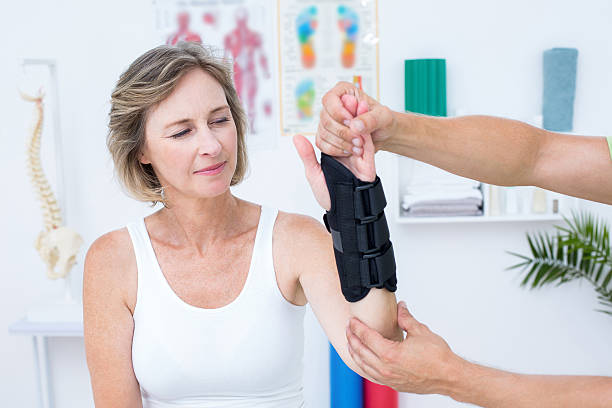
point(190, 138)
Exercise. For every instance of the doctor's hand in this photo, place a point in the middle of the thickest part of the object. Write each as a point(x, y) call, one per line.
point(422, 363)
point(362, 166)
point(340, 128)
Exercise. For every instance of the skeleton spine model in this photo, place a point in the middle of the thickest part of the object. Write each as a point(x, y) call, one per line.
point(51, 212)
point(57, 245)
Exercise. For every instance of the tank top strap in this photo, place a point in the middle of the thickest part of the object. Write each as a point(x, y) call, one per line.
point(140, 243)
point(268, 218)
point(267, 279)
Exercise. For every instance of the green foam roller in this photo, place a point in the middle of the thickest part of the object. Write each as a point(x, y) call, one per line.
point(425, 86)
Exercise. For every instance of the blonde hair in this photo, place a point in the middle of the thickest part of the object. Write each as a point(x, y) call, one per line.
point(149, 80)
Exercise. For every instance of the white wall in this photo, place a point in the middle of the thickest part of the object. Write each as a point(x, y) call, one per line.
point(452, 276)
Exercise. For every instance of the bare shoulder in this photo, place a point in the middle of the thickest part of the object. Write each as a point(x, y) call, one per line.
point(110, 266)
point(298, 229)
point(299, 245)
point(111, 249)
point(297, 238)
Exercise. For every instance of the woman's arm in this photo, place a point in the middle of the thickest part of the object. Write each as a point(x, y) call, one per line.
point(313, 253)
point(108, 323)
point(305, 251)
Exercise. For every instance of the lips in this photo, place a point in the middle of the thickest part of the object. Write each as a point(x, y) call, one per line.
point(210, 168)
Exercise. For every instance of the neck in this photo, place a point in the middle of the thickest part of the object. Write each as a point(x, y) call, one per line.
point(201, 222)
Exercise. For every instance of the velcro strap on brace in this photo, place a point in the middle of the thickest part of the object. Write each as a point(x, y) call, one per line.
point(360, 234)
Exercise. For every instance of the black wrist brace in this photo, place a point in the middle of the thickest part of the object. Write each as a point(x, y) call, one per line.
point(356, 220)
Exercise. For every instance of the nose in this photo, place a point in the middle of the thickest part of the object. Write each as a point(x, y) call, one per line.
point(208, 145)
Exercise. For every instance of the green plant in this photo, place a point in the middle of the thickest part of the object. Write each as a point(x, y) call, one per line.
point(579, 250)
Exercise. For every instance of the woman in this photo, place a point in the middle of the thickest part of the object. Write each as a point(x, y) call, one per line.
point(201, 304)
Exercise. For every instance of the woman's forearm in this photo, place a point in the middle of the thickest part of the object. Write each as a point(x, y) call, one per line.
point(488, 387)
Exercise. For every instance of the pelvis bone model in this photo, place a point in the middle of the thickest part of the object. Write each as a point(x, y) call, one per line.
point(57, 245)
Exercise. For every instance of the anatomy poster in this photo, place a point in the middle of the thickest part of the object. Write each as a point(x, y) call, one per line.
point(242, 30)
point(322, 42)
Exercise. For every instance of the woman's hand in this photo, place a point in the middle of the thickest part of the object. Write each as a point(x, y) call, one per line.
point(362, 166)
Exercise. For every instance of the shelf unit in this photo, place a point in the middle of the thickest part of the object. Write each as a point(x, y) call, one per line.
point(401, 173)
point(479, 219)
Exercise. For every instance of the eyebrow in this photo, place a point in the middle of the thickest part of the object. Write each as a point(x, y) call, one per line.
point(180, 121)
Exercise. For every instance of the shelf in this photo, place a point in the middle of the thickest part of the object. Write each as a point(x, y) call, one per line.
point(50, 329)
point(480, 219)
point(403, 173)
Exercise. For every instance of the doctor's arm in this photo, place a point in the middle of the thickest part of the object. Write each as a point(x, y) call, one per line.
point(490, 149)
point(423, 363)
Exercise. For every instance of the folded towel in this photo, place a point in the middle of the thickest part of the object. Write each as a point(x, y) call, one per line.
point(466, 197)
point(442, 211)
point(423, 175)
point(559, 68)
point(439, 188)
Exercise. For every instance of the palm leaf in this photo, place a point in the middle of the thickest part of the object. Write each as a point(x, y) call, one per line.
point(578, 250)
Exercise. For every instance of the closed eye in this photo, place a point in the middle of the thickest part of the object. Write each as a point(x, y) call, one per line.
point(220, 120)
point(181, 133)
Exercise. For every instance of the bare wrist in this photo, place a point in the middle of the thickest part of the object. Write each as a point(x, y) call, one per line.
point(402, 133)
point(482, 386)
point(452, 383)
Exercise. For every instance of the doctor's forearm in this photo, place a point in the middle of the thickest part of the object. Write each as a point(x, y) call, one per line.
point(507, 152)
point(493, 150)
point(488, 387)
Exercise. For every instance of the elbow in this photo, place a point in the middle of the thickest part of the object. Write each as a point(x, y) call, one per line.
point(391, 329)
point(378, 310)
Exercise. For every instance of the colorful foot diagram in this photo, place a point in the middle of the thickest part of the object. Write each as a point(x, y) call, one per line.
point(306, 24)
point(348, 22)
point(305, 96)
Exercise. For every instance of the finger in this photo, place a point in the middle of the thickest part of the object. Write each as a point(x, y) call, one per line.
point(306, 153)
point(362, 107)
point(332, 103)
point(368, 144)
point(327, 131)
point(370, 371)
point(350, 103)
point(338, 135)
point(370, 338)
point(366, 355)
point(325, 143)
point(335, 140)
point(312, 168)
point(365, 123)
point(405, 320)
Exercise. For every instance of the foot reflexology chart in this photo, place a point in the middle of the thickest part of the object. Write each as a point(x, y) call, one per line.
point(322, 42)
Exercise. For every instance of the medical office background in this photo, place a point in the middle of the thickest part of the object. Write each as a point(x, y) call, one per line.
point(452, 275)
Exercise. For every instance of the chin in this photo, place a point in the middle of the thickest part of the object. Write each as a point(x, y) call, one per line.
point(214, 189)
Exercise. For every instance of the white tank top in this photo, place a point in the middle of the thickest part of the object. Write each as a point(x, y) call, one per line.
point(245, 354)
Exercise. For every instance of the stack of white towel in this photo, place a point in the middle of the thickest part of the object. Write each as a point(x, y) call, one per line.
point(432, 192)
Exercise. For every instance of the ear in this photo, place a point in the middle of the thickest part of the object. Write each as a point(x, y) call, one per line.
point(143, 158)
